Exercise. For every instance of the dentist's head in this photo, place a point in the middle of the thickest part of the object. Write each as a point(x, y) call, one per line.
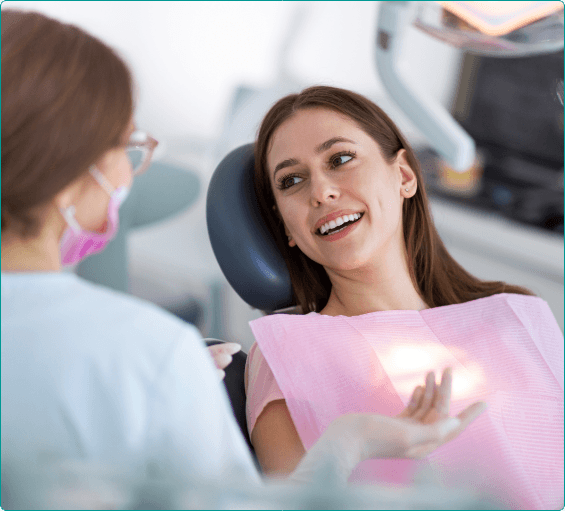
point(67, 107)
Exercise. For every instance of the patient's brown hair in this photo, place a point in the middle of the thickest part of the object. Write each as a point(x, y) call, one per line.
point(439, 279)
point(66, 100)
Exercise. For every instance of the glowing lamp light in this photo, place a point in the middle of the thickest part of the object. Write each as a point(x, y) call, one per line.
point(500, 18)
point(407, 361)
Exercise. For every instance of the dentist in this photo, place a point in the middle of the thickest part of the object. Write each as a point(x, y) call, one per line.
point(92, 374)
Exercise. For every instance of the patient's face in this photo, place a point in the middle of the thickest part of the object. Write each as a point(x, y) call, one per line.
point(323, 169)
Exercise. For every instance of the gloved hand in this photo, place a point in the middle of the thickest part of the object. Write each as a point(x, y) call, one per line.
point(420, 428)
point(222, 355)
point(423, 425)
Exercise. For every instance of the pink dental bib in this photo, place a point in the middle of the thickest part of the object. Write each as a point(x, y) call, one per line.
point(505, 349)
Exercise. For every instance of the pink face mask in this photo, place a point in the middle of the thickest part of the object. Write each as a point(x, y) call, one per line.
point(76, 243)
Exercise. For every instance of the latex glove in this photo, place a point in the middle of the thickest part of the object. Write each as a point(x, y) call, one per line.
point(222, 355)
point(423, 426)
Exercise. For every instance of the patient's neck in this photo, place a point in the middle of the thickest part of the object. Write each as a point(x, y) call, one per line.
point(381, 286)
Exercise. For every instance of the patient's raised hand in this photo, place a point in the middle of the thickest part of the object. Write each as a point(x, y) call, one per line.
point(422, 426)
point(430, 402)
point(429, 405)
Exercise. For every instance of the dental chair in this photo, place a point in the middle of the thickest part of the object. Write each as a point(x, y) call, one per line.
point(247, 255)
point(244, 249)
point(235, 387)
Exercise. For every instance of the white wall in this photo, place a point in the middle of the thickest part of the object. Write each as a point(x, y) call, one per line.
point(188, 56)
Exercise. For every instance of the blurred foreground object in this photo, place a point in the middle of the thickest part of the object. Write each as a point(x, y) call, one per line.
point(483, 28)
point(76, 485)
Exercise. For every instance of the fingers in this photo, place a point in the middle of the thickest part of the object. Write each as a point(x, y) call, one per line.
point(222, 360)
point(427, 398)
point(221, 373)
point(222, 353)
point(442, 398)
point(471, 413)
point(416, 399)
point(231, 348)
point(431, 402)
point(464, 419)
point(427, 437)
point(413, 403)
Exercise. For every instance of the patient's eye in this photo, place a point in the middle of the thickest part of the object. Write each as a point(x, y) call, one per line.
point(340, 159)
point(286, 182)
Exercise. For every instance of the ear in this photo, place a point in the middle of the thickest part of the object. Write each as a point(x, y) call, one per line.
point(408, 179)
point(68, 195)
point(291, 242)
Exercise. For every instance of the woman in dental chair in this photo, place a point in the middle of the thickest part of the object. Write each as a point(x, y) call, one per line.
point(381, 298)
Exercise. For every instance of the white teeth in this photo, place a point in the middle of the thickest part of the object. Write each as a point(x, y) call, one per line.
point(332, 224)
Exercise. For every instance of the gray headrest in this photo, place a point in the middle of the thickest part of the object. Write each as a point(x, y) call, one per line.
point(246, 252)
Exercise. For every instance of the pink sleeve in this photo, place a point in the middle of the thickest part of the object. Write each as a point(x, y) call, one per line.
point(260, 386)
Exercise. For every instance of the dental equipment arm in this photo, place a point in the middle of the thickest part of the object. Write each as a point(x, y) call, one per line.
point(444, 134)
point(491, 29)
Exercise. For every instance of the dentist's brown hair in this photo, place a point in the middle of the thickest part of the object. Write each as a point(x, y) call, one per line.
point(66, 100)
point(439, 279)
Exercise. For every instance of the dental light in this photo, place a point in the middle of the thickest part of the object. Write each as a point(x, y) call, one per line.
point(494, 29)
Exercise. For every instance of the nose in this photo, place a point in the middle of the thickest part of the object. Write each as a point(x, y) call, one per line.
point(322, 189)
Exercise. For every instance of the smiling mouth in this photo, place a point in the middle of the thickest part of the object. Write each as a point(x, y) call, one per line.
point(327, 229)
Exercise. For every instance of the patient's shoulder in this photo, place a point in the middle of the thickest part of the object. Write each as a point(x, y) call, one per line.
point(255, 365)
point(261, 387)
point(253, 352)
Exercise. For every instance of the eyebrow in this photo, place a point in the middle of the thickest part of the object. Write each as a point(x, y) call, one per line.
point(328, 143)
point(320, 149)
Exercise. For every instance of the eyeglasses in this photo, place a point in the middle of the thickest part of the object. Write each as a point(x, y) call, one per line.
point(140, 151)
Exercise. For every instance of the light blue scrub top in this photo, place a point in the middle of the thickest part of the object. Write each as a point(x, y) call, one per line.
point(92, 374)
